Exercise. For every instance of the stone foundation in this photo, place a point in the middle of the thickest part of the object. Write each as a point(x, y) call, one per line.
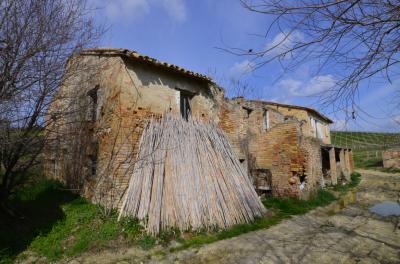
point(391, 158)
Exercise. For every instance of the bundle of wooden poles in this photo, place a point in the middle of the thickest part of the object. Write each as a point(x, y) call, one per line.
point(188, 176)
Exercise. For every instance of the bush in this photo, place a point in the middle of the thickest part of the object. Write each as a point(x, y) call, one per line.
point(355, 180)
point(167, 235)
point(147, 242)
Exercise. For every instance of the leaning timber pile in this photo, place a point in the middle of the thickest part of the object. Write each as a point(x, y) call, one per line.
point(187, 176)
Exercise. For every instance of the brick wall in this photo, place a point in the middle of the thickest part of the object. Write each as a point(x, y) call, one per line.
point(128, 94)
point(304, 115)
point(282, 149)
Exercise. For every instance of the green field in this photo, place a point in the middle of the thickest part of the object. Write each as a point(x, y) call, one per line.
point(367, 146)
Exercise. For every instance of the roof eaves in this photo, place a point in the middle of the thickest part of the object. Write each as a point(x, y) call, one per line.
point(143, 58)
point(312, 110)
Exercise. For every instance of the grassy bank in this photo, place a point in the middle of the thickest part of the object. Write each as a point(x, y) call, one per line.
point(56, 223)
point(59, 224)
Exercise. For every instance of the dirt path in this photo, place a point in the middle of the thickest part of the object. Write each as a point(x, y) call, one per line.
point(352, 235)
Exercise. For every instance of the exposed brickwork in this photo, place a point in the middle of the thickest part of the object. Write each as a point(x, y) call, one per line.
point(300, 114)
point(281, 148)
point(96, 157)
point(276, 145)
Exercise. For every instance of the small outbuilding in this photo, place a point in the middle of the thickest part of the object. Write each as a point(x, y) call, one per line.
point(391, 158)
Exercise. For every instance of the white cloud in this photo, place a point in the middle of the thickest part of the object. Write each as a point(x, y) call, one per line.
point(319, 84)
point(129, 10)
point(284, 42)
point(290, 86)
point(176, 9)
point(314, 86)
point(241, 68)
point(126, 9)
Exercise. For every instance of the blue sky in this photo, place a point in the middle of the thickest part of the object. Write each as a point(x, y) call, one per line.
point(188, 33)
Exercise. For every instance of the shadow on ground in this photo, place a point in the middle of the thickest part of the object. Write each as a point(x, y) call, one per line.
point(36, 209)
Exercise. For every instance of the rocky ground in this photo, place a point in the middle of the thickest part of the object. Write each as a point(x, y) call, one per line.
point(339, 233)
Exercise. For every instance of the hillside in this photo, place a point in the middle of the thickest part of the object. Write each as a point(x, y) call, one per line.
point(365, 140)
point(367, 146)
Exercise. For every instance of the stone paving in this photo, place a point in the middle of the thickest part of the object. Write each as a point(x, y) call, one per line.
point(326, 235)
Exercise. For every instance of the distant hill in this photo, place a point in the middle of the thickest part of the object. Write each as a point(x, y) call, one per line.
point(367, 146)
point(365, 140)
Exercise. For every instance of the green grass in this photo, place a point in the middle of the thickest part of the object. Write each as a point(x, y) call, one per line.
point(367, 146)
point(390, 170)
point(363, 161)
point(60, 224)
point(291, 206)
point(365, 140)
point(355, 180)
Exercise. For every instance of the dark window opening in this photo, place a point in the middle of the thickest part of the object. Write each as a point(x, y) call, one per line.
point(263, 181)
point(302, 178)
point(337, 155)
point(266, 123)
point(248, 111)
point(93, 107)
point(326, 165)
point(185, 107)
point(93, 165)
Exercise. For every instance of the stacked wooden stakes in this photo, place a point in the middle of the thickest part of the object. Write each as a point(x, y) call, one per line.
point(187, 176)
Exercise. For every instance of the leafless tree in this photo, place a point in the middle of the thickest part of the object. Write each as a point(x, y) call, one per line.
point(37, 37)
point(236, 86)
point(239, 87)
point(358, 38)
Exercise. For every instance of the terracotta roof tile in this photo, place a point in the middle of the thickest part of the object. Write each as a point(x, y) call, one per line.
point(153, 61)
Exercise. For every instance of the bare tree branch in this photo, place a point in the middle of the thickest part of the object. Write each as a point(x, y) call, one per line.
point(37, 37)
point(360, 39)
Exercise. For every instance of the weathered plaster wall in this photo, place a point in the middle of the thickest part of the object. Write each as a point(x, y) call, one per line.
point(304, 116)
point(97, 156)
point(153, 88)
point(128, 94)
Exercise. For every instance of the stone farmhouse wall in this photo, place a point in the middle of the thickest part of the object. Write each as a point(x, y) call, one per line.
point(97, 155)
point(305, 117)
point(99, 115)
point(281, 150)
point(391, 158)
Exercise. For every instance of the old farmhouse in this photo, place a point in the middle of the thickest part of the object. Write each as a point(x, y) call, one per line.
point(100, 113)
